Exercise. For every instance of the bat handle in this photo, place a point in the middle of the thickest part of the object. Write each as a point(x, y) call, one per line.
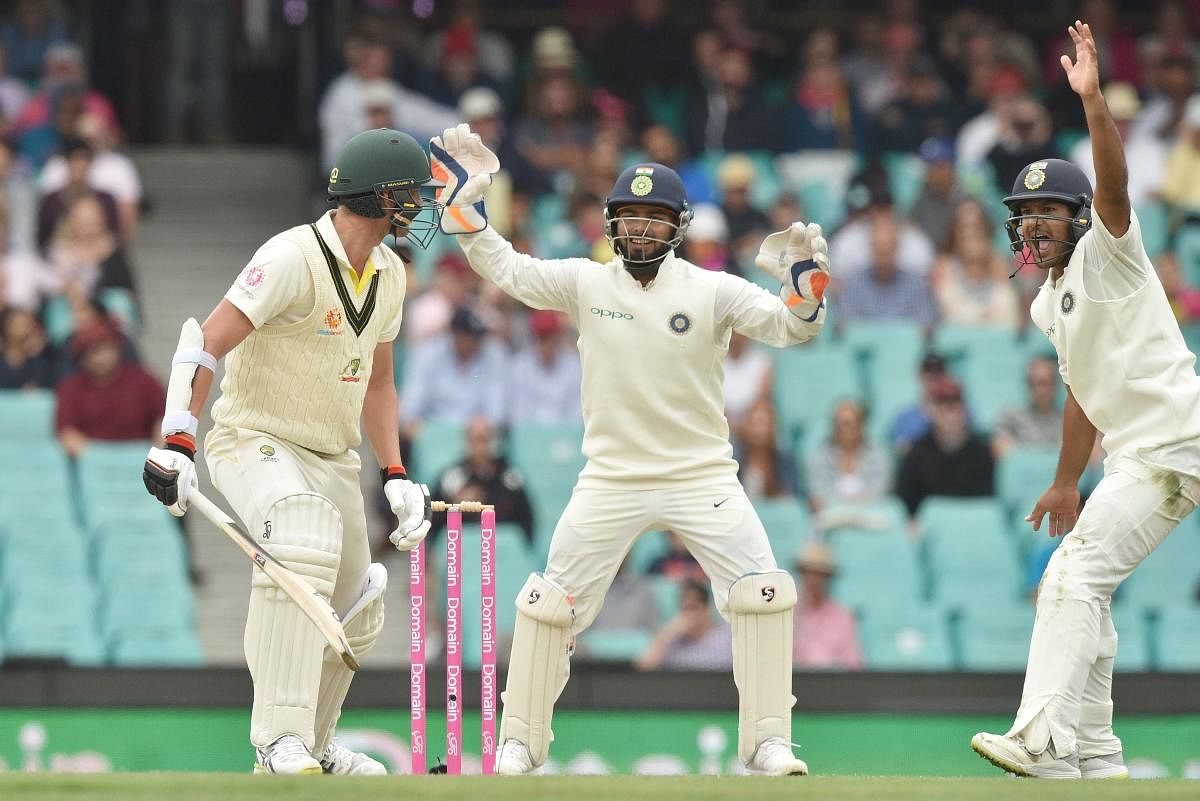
point(470, 507)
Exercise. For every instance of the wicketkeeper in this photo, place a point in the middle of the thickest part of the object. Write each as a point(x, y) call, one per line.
point(308, 328)
point(653, 332)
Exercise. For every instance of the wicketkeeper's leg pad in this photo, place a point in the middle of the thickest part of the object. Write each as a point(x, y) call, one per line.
point(541, 652)
point(362, 624)
point(760, 613)
point(284, 648)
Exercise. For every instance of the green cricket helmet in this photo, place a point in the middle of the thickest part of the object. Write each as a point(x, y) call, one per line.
point(385, 173)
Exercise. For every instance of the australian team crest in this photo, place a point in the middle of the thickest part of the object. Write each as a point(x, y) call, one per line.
point(680, 323)
point(1068, 302)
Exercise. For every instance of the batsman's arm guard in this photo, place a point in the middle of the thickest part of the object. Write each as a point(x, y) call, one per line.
point(189, 356)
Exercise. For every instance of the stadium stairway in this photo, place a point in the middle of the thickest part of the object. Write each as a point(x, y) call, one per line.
point(209, 210)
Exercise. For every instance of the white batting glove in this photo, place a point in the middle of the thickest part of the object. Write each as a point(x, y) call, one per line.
point(459, 159)
point(799, 258)
point(410, 504)
point(170, 474)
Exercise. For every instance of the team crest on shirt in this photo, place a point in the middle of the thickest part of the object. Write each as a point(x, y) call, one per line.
point(680, 323)
point(333, 323)
point(1068, 302)
point(250, 279)
point(350, 371)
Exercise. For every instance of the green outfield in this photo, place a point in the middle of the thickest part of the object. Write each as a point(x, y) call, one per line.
point(226, 787)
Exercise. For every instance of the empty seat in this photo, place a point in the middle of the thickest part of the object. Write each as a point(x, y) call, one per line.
point(614, 645)
point(994, 637)
point(1023, 473)
point(968, 554)
point(54, 621)
point(875, 569)
point(26, 415)
point(438, 445)
point(549, 458)
point(180, 648)
point(1168, 576)
point(908, 638)
point(787, 523)
point(513, 566)
point(1177, 638)
point(808, 381)
point(1133, 639)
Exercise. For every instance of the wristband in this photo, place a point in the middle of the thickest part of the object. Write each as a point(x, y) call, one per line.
point(181, 443)
point(392, 471)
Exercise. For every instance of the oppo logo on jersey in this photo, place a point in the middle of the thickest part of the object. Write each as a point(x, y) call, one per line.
point(609, 313)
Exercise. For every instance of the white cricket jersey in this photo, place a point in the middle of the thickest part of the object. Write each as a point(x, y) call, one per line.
point(302, 374)
point(1121, 352)
point(652, 357)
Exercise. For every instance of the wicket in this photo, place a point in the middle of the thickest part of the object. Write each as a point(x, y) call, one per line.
point(487, 633)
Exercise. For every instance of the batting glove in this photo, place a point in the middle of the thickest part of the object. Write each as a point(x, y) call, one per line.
point(170, 472)
point(799, 258)
point(459, 159)
point(411, 506)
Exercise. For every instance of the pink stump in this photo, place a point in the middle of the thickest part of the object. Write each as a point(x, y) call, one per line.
point(453, 642)
point(416, 653)
point(487, 634)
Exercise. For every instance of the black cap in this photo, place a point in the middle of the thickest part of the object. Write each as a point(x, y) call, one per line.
point(467, 322)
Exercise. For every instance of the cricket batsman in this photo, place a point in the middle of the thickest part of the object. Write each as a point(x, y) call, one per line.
point(307, 327)
point(1129, 376)
point(653, 332)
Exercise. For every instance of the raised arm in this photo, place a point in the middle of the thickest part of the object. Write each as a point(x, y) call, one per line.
point(540, 283)
point(1111, 199)
point(799, 258)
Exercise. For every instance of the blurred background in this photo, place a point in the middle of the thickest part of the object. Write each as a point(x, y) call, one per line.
point(148, 148)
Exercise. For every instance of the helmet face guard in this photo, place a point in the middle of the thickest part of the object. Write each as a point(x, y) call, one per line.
point(645, 184)
point(411, 209)
point(1026, 251)
point(1048, 180)
point(619, 242)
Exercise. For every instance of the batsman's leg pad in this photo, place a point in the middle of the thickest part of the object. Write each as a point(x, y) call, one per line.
point(760, 613)
point(283, 647)
point(541, 652)
point(362, 624)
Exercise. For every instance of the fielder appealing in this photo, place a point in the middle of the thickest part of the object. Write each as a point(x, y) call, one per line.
point(308, 328)
point(1130, 376)
point(653, 332)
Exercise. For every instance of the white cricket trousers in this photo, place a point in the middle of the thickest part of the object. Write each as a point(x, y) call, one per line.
point(1069, 677)
point(716, 522)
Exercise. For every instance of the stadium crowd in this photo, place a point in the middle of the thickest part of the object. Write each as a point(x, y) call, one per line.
point(899, 133)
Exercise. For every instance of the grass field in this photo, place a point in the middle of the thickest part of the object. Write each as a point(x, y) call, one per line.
point(228, 787)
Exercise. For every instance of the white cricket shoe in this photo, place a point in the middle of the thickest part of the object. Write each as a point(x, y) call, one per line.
point(514, 759)
point(774, 757)
point(1108, 766)
point(288, 755)
point(341, 761)
point(1010, 754)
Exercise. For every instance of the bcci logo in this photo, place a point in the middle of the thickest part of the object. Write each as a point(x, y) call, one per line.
point(1068, 302)
point(641, 185)
point(680, 323)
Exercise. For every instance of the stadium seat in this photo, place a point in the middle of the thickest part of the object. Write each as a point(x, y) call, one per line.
point(174, 649)
point(152, 604)
point(549, 458)
point(908, 638)
point(1154, 218)
point(26, 416)
point(968, 553)
point(808, 382)
point(906, 176)
point(885, 341)
point(1133, 639)
point(1024, 473)
point(1187, 250)
point(438, 445)
point(787, 524)
point(54, 621)
point(1177, 638)
point(513, 566)
point(110, 476)
point(960, 343)
point(993, 383)
point(994, 637)
point(646, 549)
point(666, 595)
point(39, 465)
point(614, 645)
point(1170, 575)
point(875, 569)
point(126, 555)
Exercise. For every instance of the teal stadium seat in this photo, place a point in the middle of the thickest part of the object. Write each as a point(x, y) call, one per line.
point(549, 458)
point(906, 638)
point(787, 523)
point(1170, 575)
point(666, 597)
point(1133, 639)
point(1154, 218)
point(110, 479)
point(1177, 638)
point(513, 566)
point(615, 645)
point(876, 569)
point(177, 649)
point(647, 548)
point(969, 556)
point(26, 416)
point(1024, 473)
point(808, 382)
point(1187, 250)
point(994, 637)
point(48, 621)
point(438, 446)
point(906, 177)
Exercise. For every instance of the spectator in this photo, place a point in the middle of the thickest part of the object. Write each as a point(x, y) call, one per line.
point(1113, 39)
point(13, 96)
point(1184, 298)
point(483, 110)
point(428, 314)
point(765, 469)
point(922, 110)
point(951, 459)
point(27, 280)
point(980, 134)
point(1161, 115)
point(652, 70)
point(850, 248)
point(107, 399)
point(110, 171)
point(26, 359)
point(630, 605)
point(1024, 135)
point(847, 471)
point(198, 70)
point(458, 69)
point(37, 143)
point(1039, 422)
point(748, 374)
point(1182, 187)
point(824, 114)
point(19, 199)
point(913, 423)
point(661, 145)
point(543, 383)
point(677, 563)
point(747, 225)
point(494, 52)
point(52, 210)
point(934, 207)
point(885, 291)
point(731, 114)
point(1146, 152)
point(27, 36)
point(455, 376)
point(693, 639)
point(343, 112)
point(825, 633)
point(707, 243)
point(554, 137)
point(63, 74)
point(865, 65)
point(970, 279)
point(88, 253)
point(483, 475)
